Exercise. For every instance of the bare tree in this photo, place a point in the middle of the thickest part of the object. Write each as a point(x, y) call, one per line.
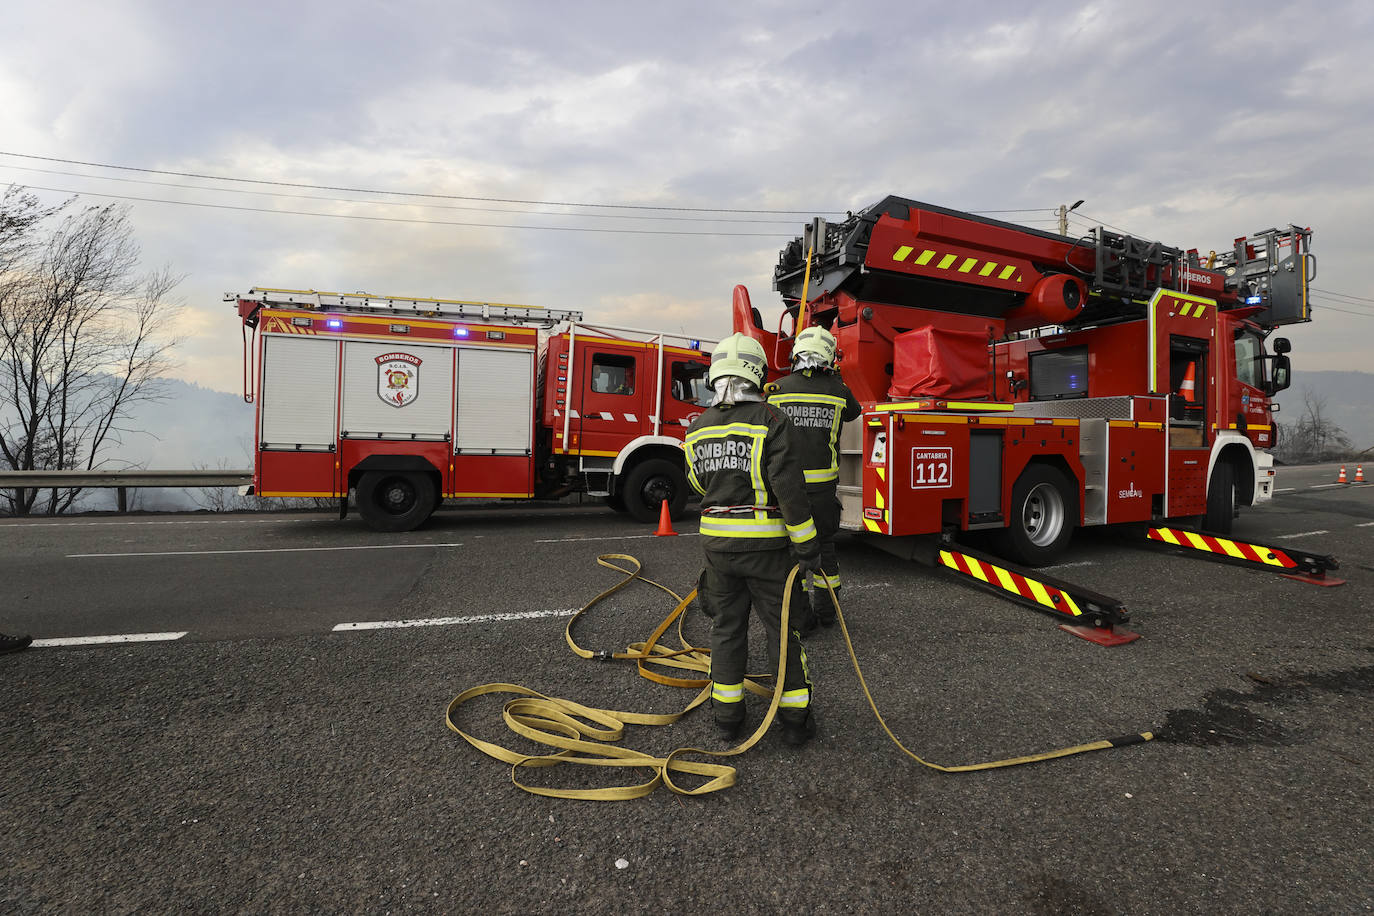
point(83, 337)
point(1314, 436)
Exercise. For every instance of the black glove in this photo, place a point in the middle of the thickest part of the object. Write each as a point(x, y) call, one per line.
point(808, 563)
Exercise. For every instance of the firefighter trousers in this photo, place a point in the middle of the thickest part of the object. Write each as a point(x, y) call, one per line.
point(731, 582)
point(825, 512)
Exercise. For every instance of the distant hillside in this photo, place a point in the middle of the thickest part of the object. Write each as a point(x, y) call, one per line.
point(1349, 400)
point(194, 427)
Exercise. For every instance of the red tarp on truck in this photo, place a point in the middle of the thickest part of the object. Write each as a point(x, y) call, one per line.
point(930, 362)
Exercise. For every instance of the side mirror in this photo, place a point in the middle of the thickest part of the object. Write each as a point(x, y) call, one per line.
point(1282, 374)
point(1281, 345)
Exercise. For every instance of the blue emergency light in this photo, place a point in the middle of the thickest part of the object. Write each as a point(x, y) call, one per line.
point(1254, 300)
point(335, 323)
point(460, 332)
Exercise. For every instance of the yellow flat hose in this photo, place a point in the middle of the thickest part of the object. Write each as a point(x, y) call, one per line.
point(1100, 745)
point(585, 735)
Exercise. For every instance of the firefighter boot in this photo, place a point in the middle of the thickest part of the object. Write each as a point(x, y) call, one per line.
point(823, 607)
point(796, 732)
point(14, 643)
point(729, 729)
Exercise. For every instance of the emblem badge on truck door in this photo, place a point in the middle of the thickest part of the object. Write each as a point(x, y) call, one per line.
point(398, 378)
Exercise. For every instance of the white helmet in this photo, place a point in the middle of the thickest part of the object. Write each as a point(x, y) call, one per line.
point(740, 356)
point(814, 349)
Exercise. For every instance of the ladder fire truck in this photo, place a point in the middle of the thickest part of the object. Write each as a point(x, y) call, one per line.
point(405, 402)
point(1025, 383)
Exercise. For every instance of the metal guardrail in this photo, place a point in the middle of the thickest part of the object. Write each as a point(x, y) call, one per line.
point(122, 481)
point(137, 478)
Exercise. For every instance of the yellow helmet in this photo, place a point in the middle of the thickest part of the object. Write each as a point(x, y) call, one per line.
point(814, 349)
point(740, 356)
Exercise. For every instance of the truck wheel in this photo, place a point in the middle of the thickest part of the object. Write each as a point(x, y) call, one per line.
point(396, 500)
point(1221, 499)
point(1043, 511)
point(651, 482)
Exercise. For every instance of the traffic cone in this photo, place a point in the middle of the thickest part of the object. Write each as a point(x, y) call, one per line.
point(1342, 479)
point(665, 522)
point(1359, 473)
point(1187, 387)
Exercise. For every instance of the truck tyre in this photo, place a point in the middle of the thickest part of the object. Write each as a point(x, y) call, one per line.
point(396, 500)
point(1221, 499)
point(1044, 509)
point(651, 482)
point(616, 501)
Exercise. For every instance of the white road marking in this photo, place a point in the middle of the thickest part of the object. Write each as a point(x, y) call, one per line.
point(1285, 489)
point(623, 537)
point(201, 553)
point(1327, 486)
point(1300, 534)
point(447, 621)
point(94, 640)
point(1364, 524)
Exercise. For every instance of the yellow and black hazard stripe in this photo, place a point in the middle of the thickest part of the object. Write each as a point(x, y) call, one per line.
point(1236, 550)
point(1032, 587)
point(1294, 564)
point(1010, 272)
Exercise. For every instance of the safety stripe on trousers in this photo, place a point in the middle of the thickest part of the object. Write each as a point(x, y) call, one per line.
point(1256, 553)
point(1047, 596)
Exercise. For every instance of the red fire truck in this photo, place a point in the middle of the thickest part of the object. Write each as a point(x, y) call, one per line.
point(406, 402)
point(1025, 383)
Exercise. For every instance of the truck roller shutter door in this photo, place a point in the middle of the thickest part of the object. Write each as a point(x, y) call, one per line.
point(299, 383)
point(413, 405)
point(495, 406)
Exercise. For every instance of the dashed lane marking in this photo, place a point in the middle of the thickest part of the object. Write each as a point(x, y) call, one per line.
point(623, 537)
point(1300, 534)
point(201, 553)
point(1364, 524)
point(1285, 489)
point(449, 621)
point(58, 522)
point(97, 640)
point(1327, 486)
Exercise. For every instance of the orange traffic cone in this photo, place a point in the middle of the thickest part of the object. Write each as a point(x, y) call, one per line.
point(1342, 479)
point(1359, 473)
point(1187, 387)
point(665, 522)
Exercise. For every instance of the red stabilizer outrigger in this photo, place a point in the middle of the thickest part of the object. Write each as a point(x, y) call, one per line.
point(1300, 566)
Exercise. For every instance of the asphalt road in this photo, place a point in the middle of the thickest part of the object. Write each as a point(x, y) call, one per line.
point(278, 743)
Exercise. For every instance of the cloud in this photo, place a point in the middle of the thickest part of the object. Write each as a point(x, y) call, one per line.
point(1173, 124)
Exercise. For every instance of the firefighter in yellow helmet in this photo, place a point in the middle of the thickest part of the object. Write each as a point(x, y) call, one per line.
point(818, 402)
point(742, 457)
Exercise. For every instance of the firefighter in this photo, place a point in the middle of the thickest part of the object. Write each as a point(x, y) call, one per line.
point(818, 402)
point(742, 457)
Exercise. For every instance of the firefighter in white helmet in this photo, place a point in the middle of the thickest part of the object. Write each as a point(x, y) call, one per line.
point(818, 402)
point(742, 457)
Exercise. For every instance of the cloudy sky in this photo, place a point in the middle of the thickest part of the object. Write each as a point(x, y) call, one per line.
point(1188, 123)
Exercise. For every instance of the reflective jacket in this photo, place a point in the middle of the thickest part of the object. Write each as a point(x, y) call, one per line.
point(743, 461)
point(817, 403)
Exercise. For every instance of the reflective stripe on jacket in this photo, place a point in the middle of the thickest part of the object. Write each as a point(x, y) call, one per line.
point(817, 403)
point(741, 458)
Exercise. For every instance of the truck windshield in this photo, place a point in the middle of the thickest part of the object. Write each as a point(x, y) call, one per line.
point(1249, 359)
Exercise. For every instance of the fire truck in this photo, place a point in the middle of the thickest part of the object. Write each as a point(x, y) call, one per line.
point(1024, 383)
point(405, 402)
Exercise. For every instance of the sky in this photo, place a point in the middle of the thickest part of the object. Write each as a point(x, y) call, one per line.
point(1188, 123)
